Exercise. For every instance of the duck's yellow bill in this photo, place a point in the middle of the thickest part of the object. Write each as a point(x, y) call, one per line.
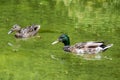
point(55, 42)
point(9, 32)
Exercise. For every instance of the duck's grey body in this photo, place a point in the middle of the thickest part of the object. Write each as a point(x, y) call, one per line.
point(25, 32)
point(88, 47)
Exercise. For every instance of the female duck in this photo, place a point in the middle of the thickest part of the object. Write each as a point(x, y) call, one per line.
point(24, 32)
point(90, 47)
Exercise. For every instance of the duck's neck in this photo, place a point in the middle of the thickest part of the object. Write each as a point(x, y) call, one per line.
point(66, 48)
point(66, 43)
point(19, 31)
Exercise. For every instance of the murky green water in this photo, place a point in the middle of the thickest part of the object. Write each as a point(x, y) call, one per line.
point(82, 20)
point(95, 15)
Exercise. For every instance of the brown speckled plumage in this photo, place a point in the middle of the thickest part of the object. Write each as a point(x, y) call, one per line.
point(24, 32)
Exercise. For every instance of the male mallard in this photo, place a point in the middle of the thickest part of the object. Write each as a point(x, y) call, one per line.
point(82, 48)
point(24, 32)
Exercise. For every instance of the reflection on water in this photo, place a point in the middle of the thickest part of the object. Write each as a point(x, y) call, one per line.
point(95, 15)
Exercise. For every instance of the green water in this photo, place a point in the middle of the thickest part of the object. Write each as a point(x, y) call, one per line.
point(37, 59)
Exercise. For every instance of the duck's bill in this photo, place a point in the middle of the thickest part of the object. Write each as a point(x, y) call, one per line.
point(9, 32)
point(55, 42)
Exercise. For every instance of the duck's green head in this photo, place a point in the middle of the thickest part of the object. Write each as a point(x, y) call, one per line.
point(64, 39)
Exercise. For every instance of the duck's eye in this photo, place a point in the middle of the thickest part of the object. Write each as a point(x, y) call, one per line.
point(60, 37)
point(14, 27)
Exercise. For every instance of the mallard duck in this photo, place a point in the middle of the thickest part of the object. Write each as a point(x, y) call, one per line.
point(24, 32)
point(82, 48)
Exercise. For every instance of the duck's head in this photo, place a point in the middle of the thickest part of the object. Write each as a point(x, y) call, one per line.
point(14, 28)
point(64, 39)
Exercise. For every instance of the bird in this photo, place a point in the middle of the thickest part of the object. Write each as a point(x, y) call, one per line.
point(26, 32)
point(90, 47)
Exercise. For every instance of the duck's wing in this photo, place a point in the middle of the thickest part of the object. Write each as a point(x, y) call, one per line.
point(30, 30)
point(79, 45)
point(90, 44)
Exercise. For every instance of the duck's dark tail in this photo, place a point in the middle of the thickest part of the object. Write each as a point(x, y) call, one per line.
point(105, 47)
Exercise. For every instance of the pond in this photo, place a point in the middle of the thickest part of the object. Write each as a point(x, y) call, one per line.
point(37, 59)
